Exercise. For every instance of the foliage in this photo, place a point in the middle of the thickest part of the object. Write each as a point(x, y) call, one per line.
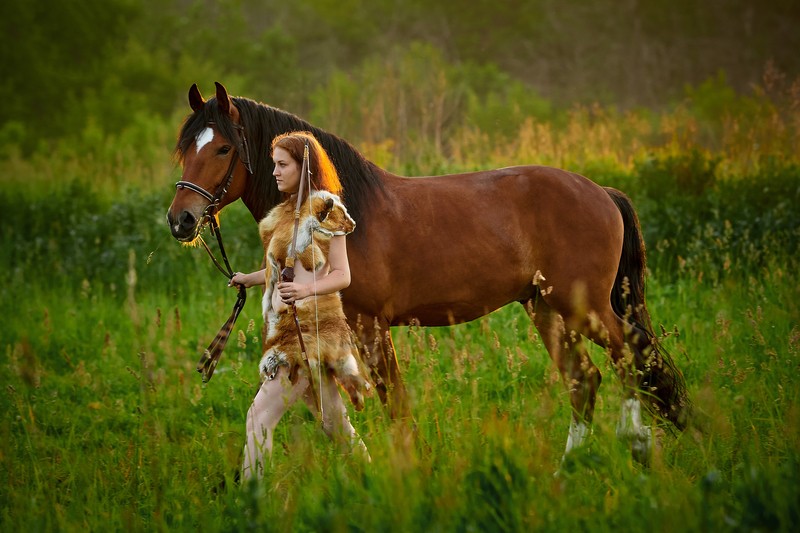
point(689, 174)
point(95, 63)
point(105, 412)
point(704, 227)
point(59, 42)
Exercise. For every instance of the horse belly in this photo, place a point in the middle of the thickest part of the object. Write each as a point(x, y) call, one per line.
point(465, 287)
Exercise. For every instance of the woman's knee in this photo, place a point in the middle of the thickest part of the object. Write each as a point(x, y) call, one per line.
point(250, 421)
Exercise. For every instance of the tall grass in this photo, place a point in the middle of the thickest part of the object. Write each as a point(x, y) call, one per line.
point(106, 424)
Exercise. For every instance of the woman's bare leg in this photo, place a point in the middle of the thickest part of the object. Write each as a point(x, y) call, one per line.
point(273, 399)
point(335, 421)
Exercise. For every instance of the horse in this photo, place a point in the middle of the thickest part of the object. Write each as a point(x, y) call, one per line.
point(441, 250)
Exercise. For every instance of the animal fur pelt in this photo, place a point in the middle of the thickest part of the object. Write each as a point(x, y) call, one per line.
point(322, 320)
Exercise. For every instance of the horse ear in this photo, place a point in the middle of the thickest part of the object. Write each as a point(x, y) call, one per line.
point(195, 98)
point(223, 100)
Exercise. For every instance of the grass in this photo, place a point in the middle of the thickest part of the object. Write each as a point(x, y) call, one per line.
point(106, 424)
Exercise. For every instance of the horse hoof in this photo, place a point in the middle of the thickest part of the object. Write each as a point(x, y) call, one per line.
point(641, 443)
point(640, 450)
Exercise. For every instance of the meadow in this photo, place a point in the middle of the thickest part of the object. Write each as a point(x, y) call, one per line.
point(107, 426)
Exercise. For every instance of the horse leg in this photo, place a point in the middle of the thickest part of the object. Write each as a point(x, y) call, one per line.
point(271, 402)
point(628, 359)
point(630, 428)
point(579, 373)
point(378, 352)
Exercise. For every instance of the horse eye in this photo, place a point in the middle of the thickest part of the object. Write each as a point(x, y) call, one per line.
point(224, 150)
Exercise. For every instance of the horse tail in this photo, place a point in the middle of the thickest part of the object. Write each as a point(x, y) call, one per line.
point(627, 295)
point(663, 387)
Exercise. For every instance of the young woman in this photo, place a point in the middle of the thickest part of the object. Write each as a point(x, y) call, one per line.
point(321, 270)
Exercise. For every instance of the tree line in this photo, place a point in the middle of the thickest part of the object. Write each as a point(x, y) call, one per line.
point(71, 63)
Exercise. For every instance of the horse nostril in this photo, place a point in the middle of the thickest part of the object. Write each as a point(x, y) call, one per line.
point(187, 220)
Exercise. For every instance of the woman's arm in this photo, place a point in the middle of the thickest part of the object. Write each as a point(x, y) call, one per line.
point(248, 280)
point(337, 278)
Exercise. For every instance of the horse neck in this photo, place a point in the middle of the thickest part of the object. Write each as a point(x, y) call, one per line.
point(254, 201)
point(260, 193)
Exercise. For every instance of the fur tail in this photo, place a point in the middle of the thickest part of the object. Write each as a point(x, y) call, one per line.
point(663, 386)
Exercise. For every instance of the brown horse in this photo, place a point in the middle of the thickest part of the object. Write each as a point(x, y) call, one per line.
point(448, 249)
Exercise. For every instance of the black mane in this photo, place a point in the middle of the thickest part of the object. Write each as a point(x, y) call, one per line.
point(360, 177)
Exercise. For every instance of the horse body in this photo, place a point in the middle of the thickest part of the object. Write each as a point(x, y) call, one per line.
point(447, 249)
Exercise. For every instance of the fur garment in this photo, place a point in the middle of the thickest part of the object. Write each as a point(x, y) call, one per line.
point(326, 335)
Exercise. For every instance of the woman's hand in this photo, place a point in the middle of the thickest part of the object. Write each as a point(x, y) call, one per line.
point(291, 292)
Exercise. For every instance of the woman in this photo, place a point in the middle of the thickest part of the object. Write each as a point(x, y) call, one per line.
point(321, 270)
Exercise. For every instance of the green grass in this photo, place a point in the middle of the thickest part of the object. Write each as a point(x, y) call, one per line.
point(107, 426)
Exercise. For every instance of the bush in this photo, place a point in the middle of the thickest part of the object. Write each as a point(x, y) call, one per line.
point(692, 173)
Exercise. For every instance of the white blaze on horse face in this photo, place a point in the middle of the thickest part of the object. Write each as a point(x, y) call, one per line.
point(203, 138)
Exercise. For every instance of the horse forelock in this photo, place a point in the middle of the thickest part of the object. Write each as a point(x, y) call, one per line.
point(198, 121)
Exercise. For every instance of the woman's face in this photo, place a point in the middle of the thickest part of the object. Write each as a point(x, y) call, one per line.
point(287, 171)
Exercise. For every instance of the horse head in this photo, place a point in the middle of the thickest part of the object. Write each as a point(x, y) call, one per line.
point(213, 151)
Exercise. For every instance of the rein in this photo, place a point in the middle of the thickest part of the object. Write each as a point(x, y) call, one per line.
point(210, 358)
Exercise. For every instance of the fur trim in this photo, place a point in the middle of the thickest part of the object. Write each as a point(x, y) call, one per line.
point(268, 367)
point(323, 213)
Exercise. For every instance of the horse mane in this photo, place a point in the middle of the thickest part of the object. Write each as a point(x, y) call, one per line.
point(360, 178)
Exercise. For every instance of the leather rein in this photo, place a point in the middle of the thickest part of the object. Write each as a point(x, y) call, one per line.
point(210, 358)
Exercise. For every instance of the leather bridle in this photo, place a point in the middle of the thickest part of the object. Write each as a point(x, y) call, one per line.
point(222, 189)
point(210, 358)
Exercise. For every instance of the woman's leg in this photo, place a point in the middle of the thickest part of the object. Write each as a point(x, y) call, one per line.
point(335, 421)
point(273, 399)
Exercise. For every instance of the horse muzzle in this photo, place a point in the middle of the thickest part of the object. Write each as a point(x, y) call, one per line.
point(185, 227)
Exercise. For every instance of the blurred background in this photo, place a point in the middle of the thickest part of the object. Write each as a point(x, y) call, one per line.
point(407, 80)
point(663, 99)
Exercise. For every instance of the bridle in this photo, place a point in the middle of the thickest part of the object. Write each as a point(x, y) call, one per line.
point(210, 358)
point(222, 188)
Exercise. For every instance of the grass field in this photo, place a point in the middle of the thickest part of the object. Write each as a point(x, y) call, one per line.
point(106, 425)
